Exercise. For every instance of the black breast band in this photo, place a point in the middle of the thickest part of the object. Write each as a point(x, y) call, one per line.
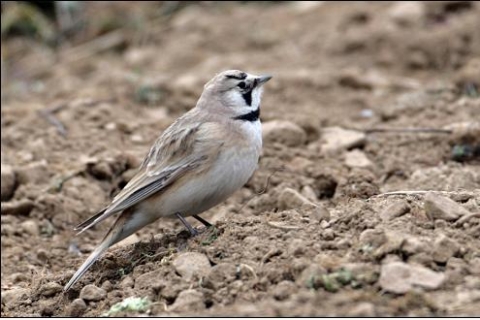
point(251, 116)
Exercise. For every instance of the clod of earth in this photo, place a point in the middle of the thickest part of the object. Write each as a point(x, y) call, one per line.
point(399, 277)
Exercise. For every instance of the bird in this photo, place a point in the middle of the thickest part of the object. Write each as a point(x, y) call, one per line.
point(199, 161)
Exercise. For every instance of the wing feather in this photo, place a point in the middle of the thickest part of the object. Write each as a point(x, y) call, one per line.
point(176, 153)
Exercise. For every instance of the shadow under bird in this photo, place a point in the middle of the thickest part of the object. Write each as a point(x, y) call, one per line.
point(198, 162)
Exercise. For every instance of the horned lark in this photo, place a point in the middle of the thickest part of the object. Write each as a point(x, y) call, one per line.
point(198, 162)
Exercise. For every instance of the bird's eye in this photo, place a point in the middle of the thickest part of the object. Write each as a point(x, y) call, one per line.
point(241, 85)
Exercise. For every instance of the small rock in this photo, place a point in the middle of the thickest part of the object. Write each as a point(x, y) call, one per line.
point(474, 266)
point(373, 238)
point(47, 307)
point(107, 286)
point(33, 173)
point(92, 293)
point(311, 277)
point(361, 183)
point(20, 207)
point(320, 213)
point(100, 170)
point(16, 297)
point(285, 132)
point(291, 199)
point(127, 282)
point(136, 138)
point(399, 277)
point(50, 289)
point(8, 180)
point(440, 224)
point(126, 242)
point(77, 308)
point(309, 193)
point(363, 309)
point(153, 280)
point(284, 290)
point(296, 248)
point(336, 139)
point(328, 234)
point(357, 159)
point(190, 264)
point(189, 300)
point(262, 203)
point(221, 275)
point(395, 210)
point(414, 245)
point(421, 258)
point(444, 248)
point(439, 207)
point(406, 12)
point(30, 227)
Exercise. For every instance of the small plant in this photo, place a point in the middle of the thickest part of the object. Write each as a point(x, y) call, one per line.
point(129, 304)
point(332, 282)
point(212, 236)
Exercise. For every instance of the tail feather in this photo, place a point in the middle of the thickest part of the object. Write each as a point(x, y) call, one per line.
point(122, 228)
point(87, 264)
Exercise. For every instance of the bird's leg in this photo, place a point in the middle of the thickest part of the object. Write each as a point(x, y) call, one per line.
point(187, 225)
point(205, 222)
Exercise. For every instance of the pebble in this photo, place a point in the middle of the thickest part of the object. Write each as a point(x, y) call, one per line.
point(284, 132)
point(30, 227)
point(474, 266)
point(151, 279)
point(357, 159)
point(47, 307)
point(8, 180)
point(395, 210)
point(127, 282)
point(444, 248)
point(440, 207)
point(328, 234)
point(414, 245)
point(363, 309)
point(283, 290)
point(309, 193)
point(77, 308)
point(399, 277)
point(221, 275)
point(406, 12)
point(335, 139)
point(50, 289)
point(190, 264)
point(16, 297)
point(21, 207)
point(92, 293)
point(292, 199)
point(33, 173)
point(189, 300)
point(311, 277)
point(373, 238)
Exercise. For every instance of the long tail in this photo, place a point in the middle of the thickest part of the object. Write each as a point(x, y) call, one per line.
point(116, 233)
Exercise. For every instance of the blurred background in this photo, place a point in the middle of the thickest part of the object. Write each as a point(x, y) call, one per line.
point(366, 98)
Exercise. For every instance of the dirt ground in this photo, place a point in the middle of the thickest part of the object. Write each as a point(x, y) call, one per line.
point(308, 235)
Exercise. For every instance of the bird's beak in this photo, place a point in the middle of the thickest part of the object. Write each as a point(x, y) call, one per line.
point(262, 79)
